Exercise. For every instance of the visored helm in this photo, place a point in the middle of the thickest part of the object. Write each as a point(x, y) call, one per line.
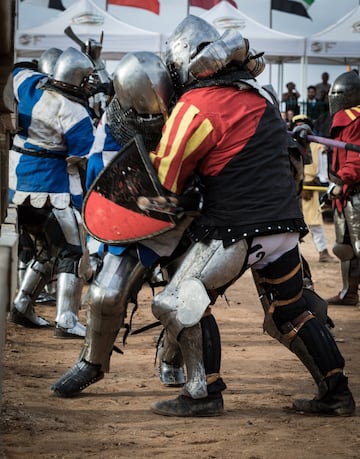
point(73, 69)
point(144, 91)
point(48, 59)
point(184, 44)
point(196, 51)
point(344, 92)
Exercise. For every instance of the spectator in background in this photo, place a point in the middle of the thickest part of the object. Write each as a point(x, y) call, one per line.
point(287, 117)
point(290, 98)
point(322, 90)
point(314, 107)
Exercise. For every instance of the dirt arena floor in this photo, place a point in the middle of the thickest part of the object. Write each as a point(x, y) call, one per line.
point(112, 419)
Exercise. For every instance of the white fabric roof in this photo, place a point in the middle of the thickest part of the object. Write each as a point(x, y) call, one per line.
point(339, 43)
point(87, 20)
point(278, 46)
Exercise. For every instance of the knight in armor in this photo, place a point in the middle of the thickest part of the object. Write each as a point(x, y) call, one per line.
point(344, 189)
point(26, 246)
point(227, 129)
point(143, 97)
point(55, 134)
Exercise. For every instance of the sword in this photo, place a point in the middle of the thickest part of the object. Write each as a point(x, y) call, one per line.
point(331, 142)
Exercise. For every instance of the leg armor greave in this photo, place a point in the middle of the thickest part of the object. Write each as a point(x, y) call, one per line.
point(181, 305)
point(34, 279)
point(190, 341)
point(21, 270)
point(171, 361)
point(299, 322)
point(350, 279)
point(119, 280)
point(68, 301)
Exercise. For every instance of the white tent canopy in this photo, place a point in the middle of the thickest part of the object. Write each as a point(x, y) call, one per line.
point(87, 20)
point(278, 46)
point(337, 44)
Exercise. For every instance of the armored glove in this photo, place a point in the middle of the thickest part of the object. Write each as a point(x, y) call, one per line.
point(333, 191)
point(300, 134)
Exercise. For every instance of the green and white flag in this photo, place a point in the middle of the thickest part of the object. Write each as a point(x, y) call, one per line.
point(299, 7)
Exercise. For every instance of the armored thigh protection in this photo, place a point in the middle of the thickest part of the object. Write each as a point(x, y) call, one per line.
point(207, 269)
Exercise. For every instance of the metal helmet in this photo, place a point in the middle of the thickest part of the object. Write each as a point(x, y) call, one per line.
point(215, 56)
point(143, 94)
point(344, 92)
point(142, 83)
point(73, 68)
point(48, 59)
point(255, 63)
point(184, 44)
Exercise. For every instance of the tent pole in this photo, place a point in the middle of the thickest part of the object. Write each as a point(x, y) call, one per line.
point(303, 65)
point(280, 77)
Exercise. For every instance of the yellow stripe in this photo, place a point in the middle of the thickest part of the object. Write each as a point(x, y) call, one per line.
point(193, 142)
point(168, 129)
point(350, 114)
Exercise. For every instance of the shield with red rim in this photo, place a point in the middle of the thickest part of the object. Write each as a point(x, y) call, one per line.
point(110, 211)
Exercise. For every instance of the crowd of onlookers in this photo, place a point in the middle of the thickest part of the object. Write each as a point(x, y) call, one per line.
point(314, 111)
point(315, 106)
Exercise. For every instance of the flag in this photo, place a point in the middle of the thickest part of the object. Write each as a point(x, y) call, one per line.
point(56, 5)
point(298, 7)
point(207, 4)
point(151, 5)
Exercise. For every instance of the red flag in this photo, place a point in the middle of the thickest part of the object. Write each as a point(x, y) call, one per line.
point(151, 5)
point(207, 4)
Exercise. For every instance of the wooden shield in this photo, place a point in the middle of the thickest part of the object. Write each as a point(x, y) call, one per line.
point(110, 210)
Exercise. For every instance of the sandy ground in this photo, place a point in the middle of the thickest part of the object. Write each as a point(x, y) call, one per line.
point(112, 419)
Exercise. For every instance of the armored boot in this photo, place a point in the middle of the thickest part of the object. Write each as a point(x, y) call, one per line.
point(171, 370)
point(348, 296)
point(68, 300)
point(78, 378)
point(318, 351)
point(33, 280)
point(335, 399)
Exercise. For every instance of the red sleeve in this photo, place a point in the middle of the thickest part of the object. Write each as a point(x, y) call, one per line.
point(186, 139)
